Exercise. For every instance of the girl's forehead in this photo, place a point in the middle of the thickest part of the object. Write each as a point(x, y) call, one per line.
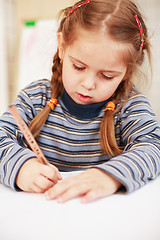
point(92, 45)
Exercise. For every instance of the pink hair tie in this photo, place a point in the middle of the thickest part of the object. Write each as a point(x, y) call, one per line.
point(110, 107)
point(78, 6)
point(52, 103)
point(140, 29)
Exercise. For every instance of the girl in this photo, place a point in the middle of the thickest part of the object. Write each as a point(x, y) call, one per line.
point(101, 123)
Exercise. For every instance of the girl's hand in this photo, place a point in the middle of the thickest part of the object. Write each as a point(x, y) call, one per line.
point(90, 185)
point(36, 177)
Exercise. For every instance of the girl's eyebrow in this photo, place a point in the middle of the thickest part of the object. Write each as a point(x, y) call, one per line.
point(77, 60)
point(107, 71)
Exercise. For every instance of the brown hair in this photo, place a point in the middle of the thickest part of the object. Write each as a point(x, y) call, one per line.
point(116, 17)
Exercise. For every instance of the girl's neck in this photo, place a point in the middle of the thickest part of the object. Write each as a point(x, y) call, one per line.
point(82, 111)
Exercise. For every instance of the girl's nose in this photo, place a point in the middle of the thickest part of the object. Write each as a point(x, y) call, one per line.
point(88, 82)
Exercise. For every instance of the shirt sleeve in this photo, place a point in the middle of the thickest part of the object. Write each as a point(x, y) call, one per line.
point(14, 151)
point(140, 135)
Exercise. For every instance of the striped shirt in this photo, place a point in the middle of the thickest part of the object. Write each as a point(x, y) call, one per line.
point(71, 143)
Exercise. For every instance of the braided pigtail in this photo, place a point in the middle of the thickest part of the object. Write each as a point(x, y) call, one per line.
point(107, 135)
point(107, 128)
point(56, 81)
point(57, 87)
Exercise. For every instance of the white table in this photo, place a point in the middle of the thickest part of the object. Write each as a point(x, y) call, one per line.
point(26, 216)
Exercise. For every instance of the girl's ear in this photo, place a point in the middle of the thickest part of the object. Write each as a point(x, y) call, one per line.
point(61, 45)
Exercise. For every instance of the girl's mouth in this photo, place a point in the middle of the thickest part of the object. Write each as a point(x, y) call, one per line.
point(83, 98)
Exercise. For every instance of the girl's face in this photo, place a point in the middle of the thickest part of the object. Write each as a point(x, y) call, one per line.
point(92, 67)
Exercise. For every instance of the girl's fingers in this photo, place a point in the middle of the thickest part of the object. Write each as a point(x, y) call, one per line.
point(30, 190)
point(92, 196)
point(67, 189)
point(36, 188)
point(43, 183)
point(73, 192)
point(59, 177)
point(59, 189)
point(51, 173)
point(87, 192)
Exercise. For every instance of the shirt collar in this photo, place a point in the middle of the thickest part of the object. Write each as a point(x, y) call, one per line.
point(82, 111)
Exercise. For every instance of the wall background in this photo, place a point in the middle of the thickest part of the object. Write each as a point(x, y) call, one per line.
point(33, 10)
point(5, 58)
point(18, 11)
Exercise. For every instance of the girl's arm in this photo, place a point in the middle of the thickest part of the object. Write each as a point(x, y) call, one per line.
point(14, 151)
point(140, 135)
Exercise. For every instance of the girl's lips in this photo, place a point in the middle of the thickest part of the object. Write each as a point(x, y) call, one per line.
point(83, 98)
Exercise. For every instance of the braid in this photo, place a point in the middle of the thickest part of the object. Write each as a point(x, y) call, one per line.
point(57, 88)
point(56, 81)
point(107, 129)
point(107, 135)
point(107, 132)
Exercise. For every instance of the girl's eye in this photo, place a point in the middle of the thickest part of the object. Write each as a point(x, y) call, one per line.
point(107, 77)
point(78, 68)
